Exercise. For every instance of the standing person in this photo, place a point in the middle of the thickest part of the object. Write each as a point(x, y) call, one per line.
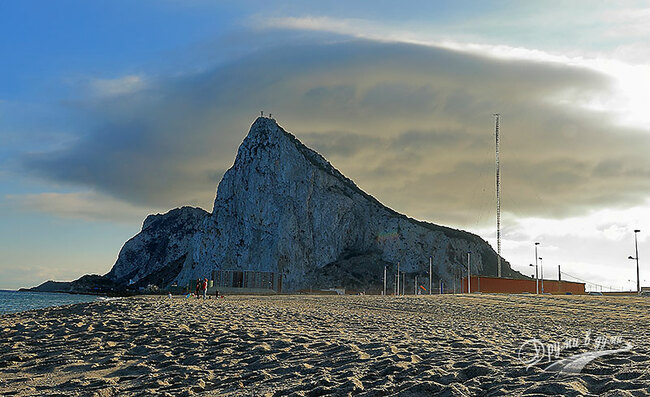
point(198, 288)
point(205, 288)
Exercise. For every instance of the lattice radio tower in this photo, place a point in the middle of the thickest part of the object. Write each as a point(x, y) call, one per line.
point(496, 129)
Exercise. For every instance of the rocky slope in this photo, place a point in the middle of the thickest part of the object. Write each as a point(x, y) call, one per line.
point(282, 207)
point(158, 253)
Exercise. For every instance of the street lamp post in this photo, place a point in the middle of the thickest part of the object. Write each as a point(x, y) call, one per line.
point(636, 250)
point(541, 272)
point(536, 278)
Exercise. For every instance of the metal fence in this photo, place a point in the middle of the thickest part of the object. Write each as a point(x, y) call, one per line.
point(249, 279)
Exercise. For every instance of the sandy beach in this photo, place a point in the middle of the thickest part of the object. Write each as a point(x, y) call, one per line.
point(325, 345)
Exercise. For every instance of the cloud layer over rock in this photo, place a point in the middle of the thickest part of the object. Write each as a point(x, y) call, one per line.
point(411, 124)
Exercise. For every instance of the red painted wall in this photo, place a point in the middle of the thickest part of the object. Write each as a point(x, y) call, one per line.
point(514, 286)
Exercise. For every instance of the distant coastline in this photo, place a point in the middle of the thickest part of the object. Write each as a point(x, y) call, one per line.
point(91, 284)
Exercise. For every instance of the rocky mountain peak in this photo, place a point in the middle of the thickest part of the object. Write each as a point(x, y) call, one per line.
point(182, 216)
point(267, 135)
point(283, 208)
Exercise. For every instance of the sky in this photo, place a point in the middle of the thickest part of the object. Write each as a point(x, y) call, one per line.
point(112, 110)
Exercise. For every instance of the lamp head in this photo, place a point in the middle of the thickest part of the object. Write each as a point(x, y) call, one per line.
point(636, 230)
point(631, 257)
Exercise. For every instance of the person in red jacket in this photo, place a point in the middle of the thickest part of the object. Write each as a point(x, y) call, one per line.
point(204, 287)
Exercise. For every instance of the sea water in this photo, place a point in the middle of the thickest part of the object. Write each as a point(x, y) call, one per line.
point(18, 301)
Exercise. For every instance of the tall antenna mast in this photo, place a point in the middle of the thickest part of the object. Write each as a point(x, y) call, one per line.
point(496, 117)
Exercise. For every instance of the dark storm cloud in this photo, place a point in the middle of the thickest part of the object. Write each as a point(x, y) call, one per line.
point(342, 143)
point(433, 139)
point(411, 124)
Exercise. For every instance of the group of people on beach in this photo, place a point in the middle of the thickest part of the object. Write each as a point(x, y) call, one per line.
point(202, 289)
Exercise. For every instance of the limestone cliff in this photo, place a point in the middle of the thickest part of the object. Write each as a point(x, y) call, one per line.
point(158, 253)
point(282, 207)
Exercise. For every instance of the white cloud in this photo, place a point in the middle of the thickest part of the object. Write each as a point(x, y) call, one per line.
point(631, 82)
point(422, 115)
point(605, 224)
point(594, 247)
point(88, 206)
point(628, 22)
point(117, 86)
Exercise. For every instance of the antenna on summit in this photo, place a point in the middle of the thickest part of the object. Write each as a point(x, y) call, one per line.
point(498, 172)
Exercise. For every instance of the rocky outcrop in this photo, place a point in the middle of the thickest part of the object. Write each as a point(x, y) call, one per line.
point(157, 254)
point(88, 284)
point(282, 207)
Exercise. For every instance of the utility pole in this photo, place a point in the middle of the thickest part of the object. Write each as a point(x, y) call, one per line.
point(430, 273)
point(385, 270)
point(636, 249)
point(469, 273)
point(541, 271)
point(397, 281)
point(415, 285)
point(498, 172)
point(536, 277)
